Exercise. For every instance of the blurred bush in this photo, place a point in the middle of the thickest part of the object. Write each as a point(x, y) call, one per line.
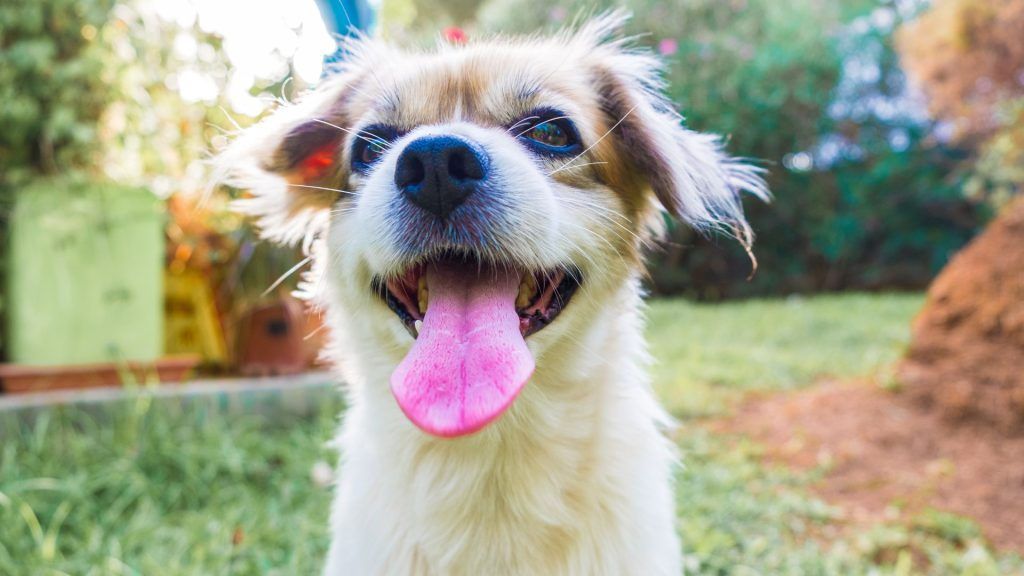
point(998, 174)
point(53, 85)
point(969, 58)
point(868, 195)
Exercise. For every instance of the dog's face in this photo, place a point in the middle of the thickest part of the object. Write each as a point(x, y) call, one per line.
point(480, 203)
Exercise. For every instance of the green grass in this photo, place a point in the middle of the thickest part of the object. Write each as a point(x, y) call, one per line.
point(707, 355)
point(162, 488)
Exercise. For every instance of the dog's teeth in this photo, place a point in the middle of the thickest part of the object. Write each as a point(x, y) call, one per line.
point(418, 325)
point(527, 291)
point(522, 299)
point(423, 295)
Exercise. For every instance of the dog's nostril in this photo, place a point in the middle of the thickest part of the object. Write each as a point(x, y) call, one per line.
point(464, 165)
point(409, 172)
point(438, 173)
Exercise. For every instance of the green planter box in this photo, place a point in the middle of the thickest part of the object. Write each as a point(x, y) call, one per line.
point(85, 274)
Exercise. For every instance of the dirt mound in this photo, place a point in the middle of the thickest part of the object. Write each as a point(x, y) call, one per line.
point(967, 354)
point(883, 449)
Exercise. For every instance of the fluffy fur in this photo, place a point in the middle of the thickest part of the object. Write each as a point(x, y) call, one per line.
point(576, 477)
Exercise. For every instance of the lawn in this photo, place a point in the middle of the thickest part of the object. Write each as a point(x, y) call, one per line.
point(707, 355)
point(166, 488)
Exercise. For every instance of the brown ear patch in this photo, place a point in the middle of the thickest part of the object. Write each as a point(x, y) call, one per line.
point(308, 158)
point(309, 152)
point(648, 164)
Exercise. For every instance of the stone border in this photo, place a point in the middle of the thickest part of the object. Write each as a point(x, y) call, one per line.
point(298, 391)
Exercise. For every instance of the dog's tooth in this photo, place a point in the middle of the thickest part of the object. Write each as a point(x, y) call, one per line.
point(423, 294)
point(527, 291)
point(418, 325)
point(523, 298)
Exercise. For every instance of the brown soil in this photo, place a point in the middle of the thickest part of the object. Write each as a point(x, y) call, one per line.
point(885, 450)
point(966, 360)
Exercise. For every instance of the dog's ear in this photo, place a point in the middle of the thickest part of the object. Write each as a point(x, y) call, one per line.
point(688, 172)
point(289, 165)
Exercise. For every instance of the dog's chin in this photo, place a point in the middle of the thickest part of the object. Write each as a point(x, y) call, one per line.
point(469, 318)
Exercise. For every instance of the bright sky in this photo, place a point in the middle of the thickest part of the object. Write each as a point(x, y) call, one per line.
point(260, 38)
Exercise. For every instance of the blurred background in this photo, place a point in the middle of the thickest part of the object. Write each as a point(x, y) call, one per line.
point(892, 132)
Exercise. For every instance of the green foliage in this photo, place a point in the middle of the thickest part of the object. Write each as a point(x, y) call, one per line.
point(866, 196)
point(186, 488)
point(998, 174)
point(52, 83)
point(947, 526)
point(399, 18)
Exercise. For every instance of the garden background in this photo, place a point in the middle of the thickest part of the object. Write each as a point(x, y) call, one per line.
point(892, 132)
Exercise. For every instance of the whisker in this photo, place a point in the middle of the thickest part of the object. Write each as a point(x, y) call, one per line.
point(285, 276)
point(284, 89)
point(322, 188)
point(606, 214)
point(372, 139)
point(230, 118)
point(520, 123)
point(596, 142)
point(220, 129)
point(318, 330)
point(346, 210)
point(582, 165)
point(539, 124)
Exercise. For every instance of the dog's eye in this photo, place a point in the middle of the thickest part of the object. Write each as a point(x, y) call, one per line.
point(370, 151)
point(369, 145)
point(550, 133)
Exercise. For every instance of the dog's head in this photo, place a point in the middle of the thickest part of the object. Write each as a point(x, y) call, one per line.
point(479, 203)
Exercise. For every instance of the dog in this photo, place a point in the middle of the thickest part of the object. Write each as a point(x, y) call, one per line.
point(476, 217)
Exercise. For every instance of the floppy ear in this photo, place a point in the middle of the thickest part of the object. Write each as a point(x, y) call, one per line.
point(688, 172)
point(289, 165)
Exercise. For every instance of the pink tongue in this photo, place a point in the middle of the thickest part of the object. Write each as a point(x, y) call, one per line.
point(470, 360)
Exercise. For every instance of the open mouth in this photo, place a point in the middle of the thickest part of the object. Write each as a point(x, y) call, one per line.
point(470, 321)
point(542, 295)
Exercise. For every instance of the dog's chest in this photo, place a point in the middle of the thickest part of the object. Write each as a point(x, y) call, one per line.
point(517, 505)
point(524, 505)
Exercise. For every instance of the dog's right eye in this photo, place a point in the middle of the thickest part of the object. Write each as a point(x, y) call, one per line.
point(369, 145)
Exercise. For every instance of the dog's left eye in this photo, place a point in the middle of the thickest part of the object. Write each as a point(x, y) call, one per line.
point(552, 134)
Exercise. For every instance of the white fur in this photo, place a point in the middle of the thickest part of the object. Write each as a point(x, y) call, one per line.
point(576, 477)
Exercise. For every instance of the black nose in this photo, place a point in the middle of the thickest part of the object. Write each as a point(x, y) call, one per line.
point(437, 173)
